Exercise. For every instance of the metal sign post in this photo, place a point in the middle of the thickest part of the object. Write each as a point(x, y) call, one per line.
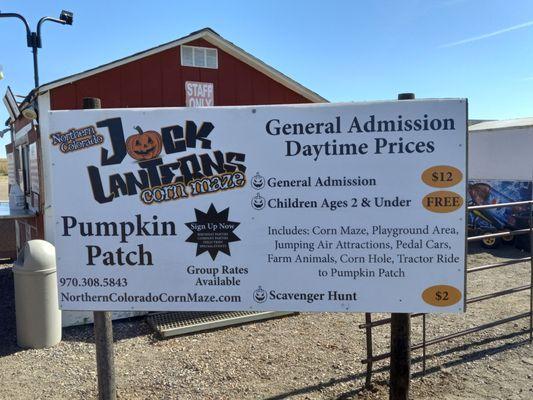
point(103, 329)
point(400, 341)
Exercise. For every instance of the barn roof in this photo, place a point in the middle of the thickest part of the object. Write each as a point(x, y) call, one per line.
point(210, 36)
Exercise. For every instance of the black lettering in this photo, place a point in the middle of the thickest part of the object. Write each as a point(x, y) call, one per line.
point(67, 226)
point(153, 172)
point(92, 253)
point(297, 145)
point(232, 165)
point(192, 134)
point(116, 134)
point(208, 164)
point(133, 183)
point(276, 129)
point(97, 187)
point(173, 139)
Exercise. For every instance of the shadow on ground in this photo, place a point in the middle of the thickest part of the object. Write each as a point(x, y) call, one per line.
point(474, 354)
point(503, 251)
point(8, 330)
point(123, 329)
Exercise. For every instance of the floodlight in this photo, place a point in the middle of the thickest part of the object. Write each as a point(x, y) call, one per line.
point(67, 17)
point(29, 113)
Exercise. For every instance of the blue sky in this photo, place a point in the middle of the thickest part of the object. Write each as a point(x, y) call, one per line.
point(344, 50)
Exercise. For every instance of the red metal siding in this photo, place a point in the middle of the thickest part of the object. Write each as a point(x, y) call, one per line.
point(110, 84)
point(172, 92)
point(159, 81)
point(130, 87)
point(63, 97)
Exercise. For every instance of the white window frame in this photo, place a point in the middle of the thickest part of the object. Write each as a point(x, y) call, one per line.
point(204, 51)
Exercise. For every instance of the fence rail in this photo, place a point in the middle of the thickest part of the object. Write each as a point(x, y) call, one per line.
point(369, 323)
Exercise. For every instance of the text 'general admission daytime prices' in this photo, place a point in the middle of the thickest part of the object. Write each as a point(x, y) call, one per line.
point(338, 207)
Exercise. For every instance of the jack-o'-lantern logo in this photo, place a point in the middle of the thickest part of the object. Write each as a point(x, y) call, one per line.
point(260, 295)
point(144, 145)
point(258, 182)
point(258, 202)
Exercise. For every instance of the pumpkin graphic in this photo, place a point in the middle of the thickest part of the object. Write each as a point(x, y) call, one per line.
point(144, 145)
point(258, 202)
point(258, 182)
point(260, 295)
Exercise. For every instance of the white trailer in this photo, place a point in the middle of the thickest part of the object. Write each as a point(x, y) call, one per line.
point(501, 150)
point(500, 170)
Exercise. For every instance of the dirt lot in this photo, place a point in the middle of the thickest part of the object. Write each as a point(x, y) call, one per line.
point(309, 356)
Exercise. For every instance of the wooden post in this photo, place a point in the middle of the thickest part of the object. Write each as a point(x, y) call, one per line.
point(103, 329)
point(400, 361)
point(400, 341)
point(369, 350)
point(105, 359)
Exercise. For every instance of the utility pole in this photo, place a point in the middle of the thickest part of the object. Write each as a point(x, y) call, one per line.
point(33, 39)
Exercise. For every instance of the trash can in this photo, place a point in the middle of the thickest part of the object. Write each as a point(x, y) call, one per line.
point(36, 303)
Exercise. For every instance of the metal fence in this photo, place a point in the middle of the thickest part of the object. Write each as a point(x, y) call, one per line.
point(369, 324)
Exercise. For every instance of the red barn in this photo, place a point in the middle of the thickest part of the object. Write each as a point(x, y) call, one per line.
point(199, 69)
point(156, 78)
point(202, 68)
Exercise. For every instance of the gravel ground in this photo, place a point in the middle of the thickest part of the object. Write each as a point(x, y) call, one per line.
point(308, 356)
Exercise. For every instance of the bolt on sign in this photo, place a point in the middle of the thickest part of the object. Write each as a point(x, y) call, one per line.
point(199, 94)
point(322, 207)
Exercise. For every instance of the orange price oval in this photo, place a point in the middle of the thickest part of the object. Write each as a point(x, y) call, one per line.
point(442, 201)
point(441, 295)
point(442, 176)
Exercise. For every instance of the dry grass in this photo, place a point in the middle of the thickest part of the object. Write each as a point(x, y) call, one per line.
point(3, 166)
point(3, 188)
point(4, 195)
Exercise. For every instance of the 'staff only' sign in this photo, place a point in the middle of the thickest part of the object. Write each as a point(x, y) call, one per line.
point(338, 207)
point(199, 94)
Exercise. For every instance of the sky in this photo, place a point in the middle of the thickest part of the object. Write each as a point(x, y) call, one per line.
point(344, 50)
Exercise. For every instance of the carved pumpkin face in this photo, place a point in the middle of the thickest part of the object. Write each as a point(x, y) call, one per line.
point(144, 145)
point(258, 181)
point(258, 202)
point(260, 295)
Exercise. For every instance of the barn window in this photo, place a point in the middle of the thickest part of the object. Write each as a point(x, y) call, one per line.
point(203, 57)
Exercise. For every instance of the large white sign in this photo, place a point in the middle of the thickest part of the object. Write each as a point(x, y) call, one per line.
point(337, 207)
